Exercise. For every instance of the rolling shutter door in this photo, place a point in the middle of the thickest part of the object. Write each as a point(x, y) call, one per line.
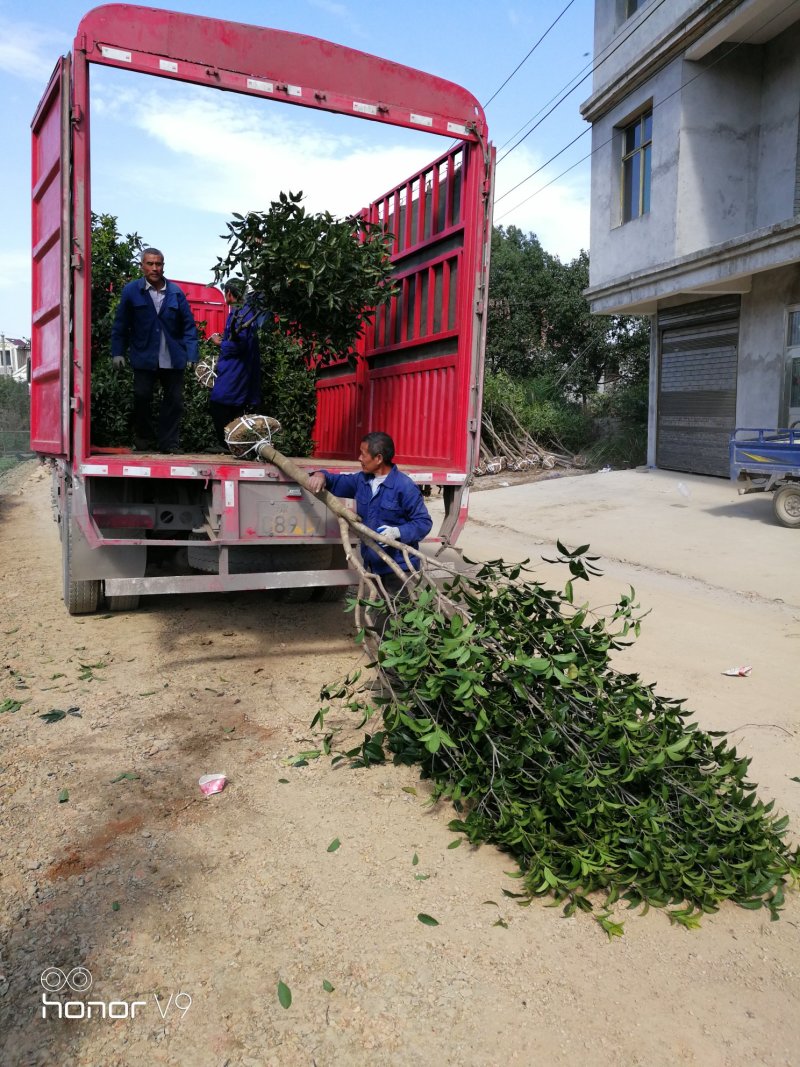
point(697, 368)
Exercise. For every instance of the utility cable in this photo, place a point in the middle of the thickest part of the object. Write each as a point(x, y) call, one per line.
point(681, 87)
point(569, 92)
point(528, 56)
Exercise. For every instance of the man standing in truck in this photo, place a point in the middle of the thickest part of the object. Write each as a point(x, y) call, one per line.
point(386, 500)
point(155, 327)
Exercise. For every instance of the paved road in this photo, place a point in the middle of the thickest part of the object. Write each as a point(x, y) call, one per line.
point(665, 522)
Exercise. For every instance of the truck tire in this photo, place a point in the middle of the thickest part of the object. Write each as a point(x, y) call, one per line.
point(786, 505)
point(246, 560)
point(80, 597)
point(123, 603)
point(330, 594)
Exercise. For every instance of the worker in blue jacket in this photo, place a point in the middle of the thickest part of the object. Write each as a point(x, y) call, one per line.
point(155, 327)
point(386, 500)
point(237, 386)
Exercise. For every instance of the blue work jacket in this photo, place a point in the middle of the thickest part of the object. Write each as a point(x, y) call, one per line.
point(137, 328)
point(398, 502)
point(238, 380)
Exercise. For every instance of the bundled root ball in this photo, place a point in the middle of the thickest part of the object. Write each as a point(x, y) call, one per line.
point(245, 434)
point(206, 371)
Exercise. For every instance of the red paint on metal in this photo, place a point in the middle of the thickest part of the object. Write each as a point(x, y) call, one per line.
point(301, 70)
point(207, 304)
point(50, 267)
point(418, 367)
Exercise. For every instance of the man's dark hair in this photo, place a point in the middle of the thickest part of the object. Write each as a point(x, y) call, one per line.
point(151, 252)
point(379, 444)
point(235, 286)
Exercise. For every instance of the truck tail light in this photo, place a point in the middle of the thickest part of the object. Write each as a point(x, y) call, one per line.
point(124, 518)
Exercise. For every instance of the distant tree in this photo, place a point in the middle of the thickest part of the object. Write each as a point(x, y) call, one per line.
point(321, 279)
point(539, 323)
point(115, 261)
point(14, 405)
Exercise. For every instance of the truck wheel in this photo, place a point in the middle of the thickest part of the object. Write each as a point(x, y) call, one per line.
point(80, 597)
point(786, 505)
point(123, 603)
point(330, 594)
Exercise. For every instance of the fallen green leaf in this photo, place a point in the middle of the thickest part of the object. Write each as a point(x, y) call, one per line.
point(410, 789)
point(284, 995)
point(333, 845)
point(501, 922)
point(326, 985)
point(130, 776)
point(63, 796)
point(12, 705)
point(53, 716)
point(422, 877)
point(414, 860)
point(428, 920)
point(115, 905)
point(611, 928)
point(283, 781)
point(456, 843)
point(791, 779)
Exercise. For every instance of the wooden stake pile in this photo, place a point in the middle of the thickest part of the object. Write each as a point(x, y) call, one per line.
point(512, 448)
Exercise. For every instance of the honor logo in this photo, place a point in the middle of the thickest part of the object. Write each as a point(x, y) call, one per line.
point(79, 980)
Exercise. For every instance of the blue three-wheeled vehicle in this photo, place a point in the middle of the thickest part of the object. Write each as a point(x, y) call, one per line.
point(766, 460)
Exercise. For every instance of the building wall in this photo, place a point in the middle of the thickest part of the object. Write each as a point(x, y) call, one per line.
point(720, 120)
point(619, 248)
point(760, 399)
point(724, 163)
point(620, 39)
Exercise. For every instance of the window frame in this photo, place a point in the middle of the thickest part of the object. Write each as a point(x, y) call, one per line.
point(640, 154)
point(791, 355)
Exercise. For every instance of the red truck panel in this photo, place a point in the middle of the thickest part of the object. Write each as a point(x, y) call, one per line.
point(416, 373)
point(276, 64)
point(207, 304)
point(50, 347)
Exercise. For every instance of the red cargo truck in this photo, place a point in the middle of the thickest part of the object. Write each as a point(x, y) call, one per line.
point(134, 524)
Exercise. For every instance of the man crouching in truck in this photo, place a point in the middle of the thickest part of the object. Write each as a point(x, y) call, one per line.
point(386, 500)
point(155, 326)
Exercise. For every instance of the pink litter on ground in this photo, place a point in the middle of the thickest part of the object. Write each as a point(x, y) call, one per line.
point(212, 783)
point(738, 672)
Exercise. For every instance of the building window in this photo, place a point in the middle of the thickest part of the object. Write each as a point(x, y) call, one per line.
point(632, 6)
point(637, 148)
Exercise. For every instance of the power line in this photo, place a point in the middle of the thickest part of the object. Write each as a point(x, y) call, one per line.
point(591, 70)
point(660, 103)
point(528, 56)
point(547, 164)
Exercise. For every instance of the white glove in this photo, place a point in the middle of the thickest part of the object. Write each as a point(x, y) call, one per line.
point(392, 532)
point(119, 362)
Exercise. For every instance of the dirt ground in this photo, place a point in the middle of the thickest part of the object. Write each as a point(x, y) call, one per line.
point(188, 911)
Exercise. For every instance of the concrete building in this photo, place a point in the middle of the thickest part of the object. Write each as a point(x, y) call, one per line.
point(14, 355)
point(696, 211)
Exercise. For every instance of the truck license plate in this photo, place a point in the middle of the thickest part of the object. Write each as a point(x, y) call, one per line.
point(290, 520)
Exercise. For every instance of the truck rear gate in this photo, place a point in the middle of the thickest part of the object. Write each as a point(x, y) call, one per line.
point(419, 369)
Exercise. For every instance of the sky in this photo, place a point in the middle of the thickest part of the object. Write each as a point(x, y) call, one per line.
point(173, 161)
